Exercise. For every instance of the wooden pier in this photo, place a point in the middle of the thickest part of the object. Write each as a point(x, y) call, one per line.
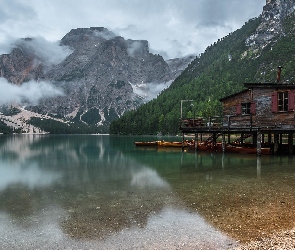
point(279, 139)
point(264, 111)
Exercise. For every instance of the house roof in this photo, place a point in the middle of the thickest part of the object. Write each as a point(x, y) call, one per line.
point(270, 85)
point(235, 94)
point(260, 85)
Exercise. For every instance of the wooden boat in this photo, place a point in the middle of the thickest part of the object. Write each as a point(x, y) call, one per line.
point(146, 143)
point(162, 143)
point(171, 144)
point(203, 146)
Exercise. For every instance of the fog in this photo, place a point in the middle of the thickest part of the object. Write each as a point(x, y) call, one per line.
point(150, 91)
point(134, 47)
point(173, 28)
point(30, 92)
point(104, 34)
point(48, 52)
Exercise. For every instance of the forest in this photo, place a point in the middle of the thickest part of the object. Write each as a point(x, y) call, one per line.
point(4, 129)
point(220, 71)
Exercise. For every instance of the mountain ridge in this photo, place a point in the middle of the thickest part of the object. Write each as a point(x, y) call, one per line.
point(101, 74)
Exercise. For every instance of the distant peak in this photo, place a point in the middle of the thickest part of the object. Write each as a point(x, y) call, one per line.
point(92, 30)
point(274, 12)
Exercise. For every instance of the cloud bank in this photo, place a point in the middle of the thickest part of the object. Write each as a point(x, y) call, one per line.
point(48, 52)
point(173, 28)
point(135, 47)
point(149, 91)
point(30, 92)
point(105, 34)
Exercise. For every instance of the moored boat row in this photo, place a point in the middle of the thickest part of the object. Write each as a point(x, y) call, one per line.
point(162, 143)
point(204, 146)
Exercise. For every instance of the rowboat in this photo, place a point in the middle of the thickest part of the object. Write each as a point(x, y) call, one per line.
point(162, 143)
point(171, 144)
point(203, 146)
point(146, 143)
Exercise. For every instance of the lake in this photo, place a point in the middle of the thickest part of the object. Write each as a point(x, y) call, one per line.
point(102, 192)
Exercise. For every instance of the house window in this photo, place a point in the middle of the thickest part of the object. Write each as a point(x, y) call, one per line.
point(283, 101)
point(246, 108)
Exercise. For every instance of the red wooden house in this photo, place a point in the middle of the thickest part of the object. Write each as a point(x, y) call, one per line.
point(262, 105)
point(263, 110)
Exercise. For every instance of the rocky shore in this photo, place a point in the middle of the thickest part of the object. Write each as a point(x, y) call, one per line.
point(280, 240)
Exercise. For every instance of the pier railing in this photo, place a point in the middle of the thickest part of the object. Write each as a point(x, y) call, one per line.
point(201, 122)
point(245, 122)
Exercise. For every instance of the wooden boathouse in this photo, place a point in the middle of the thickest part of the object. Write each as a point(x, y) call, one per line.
point(263, 111)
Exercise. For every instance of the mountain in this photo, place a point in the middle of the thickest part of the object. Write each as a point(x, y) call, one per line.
point(100, 75)
point(271, 26)
point(250, 54)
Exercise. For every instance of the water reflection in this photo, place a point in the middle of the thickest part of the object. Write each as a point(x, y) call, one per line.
point(26, 174)
point(39, 231)
point(99, 187)
point(169, 229)
point(92, 189)
point(245, 196)
point(148, 178)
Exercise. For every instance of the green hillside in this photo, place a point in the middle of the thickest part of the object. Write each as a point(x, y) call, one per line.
point(220, 71)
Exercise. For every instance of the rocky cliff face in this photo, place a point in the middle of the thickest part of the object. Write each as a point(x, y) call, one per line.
point(99, 76)
point(274, 13)
point(20, 65)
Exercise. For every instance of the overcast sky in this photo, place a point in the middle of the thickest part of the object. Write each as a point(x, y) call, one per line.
point(173, 27)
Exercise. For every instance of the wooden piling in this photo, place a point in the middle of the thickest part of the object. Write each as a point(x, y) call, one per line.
point(258, 142)
point(182, 141)
point(290, 143)
point(276, 144)
point(223, 142)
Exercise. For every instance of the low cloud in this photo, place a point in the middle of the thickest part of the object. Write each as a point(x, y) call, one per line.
point(49, 52)
point(30, 92)
point(159, 22)
point(149, 91)
point(134, 47)
point(108, 35)
point(156, 88)
point(6, 44)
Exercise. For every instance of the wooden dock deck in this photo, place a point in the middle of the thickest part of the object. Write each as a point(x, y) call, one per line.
point(279, 137)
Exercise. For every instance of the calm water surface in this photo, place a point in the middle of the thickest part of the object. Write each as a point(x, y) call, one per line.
point(99, 192)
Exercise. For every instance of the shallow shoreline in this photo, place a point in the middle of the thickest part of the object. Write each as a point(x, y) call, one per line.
point(278, 240)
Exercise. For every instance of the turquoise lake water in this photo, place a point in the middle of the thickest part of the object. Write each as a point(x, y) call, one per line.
point(93, 191)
